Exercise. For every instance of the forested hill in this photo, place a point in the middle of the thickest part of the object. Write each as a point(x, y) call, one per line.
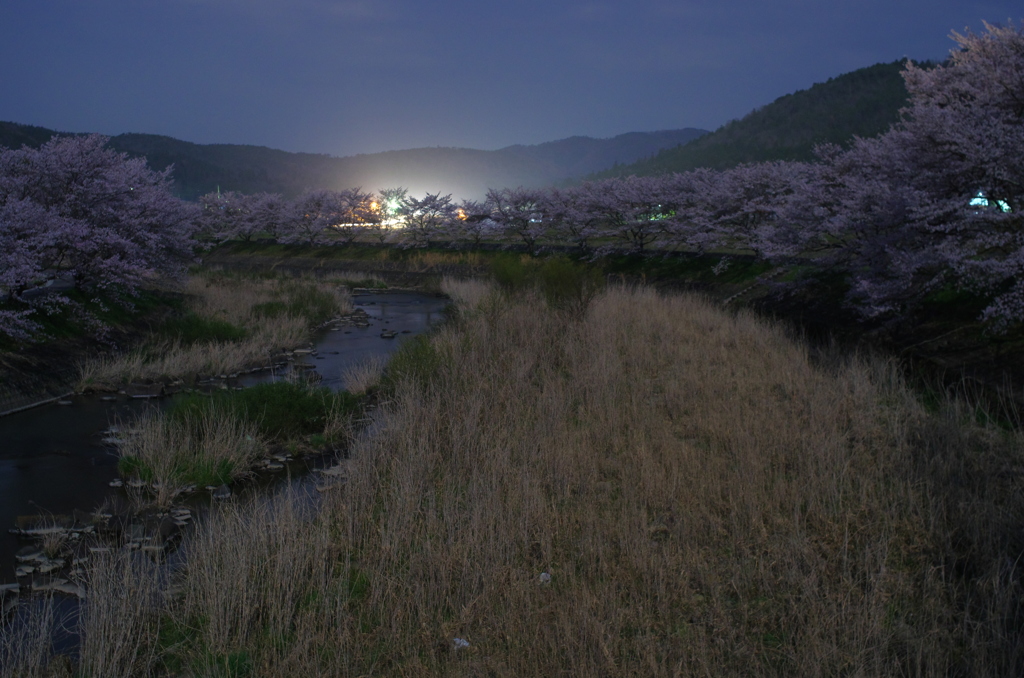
point(468, 173)
point(862, 103)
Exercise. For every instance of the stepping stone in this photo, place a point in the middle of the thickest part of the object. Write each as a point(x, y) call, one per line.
point(47, 583)
point(29, 553)
point(69, 589)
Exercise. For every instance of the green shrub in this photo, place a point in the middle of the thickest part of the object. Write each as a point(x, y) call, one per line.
point(563, 282)
point(512, 273)
point(567, 284)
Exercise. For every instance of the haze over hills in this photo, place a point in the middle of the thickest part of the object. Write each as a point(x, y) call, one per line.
point(467, 173)
point(861, 103)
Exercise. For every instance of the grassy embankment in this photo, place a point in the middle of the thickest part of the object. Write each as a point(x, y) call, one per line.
point(629, 485)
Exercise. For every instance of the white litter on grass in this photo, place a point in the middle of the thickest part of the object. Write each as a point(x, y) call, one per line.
point(545, 578)
point(460, 644)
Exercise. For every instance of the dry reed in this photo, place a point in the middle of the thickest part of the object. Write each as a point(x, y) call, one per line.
point(195, 448)
point(362, 376)
point(703, 499)
point(119, 620)
point(650, 488)
point(237, 302)
point(26, 639)
point(257, 575)
point(466, 294)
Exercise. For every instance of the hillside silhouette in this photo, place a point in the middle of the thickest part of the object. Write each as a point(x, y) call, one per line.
point(861, 103)
point(201, 168)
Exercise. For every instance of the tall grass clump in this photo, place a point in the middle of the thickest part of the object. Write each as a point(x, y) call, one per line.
point(258, 592)
point(278, 410)
point(202, 446)
point(192, 328)
point(26, 640)
point(468, 294)
point(363, 376)
point(119, 619)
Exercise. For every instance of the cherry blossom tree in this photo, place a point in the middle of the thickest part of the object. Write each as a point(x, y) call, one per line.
point(78, 211)
point(691, 226)
point(382, 214)
point(223, 215)
point(22, 222)
point(472, 222)
point(426, 217)
point(633, 210)
point(315, 213)
point(963, 140)
point(938, 199)
point(746, 205)
point(353, 214)
point(517, 211)
point(271, 214)
point(572, 213)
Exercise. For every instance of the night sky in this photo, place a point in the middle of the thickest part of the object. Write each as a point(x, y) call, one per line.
point(345, 77)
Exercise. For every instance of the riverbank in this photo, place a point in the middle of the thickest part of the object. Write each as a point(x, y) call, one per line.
point(644, 485)
point(941, 342)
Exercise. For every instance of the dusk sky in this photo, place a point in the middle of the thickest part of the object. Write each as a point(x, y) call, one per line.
point(358, 76)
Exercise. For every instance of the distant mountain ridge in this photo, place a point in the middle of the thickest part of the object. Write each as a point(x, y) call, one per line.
point(201, 168)
point(860, 103)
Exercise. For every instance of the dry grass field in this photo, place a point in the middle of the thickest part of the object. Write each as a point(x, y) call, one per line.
point(646, 487)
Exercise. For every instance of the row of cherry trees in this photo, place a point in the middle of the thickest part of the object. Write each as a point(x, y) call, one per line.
point(322, 217)
point(75, 215)
point(936, 201)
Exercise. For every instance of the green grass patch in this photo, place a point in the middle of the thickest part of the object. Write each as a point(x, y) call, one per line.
point(711, 268)
point(513, 272)
point(280, 410)
point(192, 328)
point(270, 309)
point(568, 284)
point(302, 300)
point(308, 301)
point(416, 359)
point(133, 466)
point(564, 282)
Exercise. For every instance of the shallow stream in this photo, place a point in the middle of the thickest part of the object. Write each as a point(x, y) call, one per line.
point(53, 460)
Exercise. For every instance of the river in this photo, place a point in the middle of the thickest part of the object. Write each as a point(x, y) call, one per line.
point(53, 460)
